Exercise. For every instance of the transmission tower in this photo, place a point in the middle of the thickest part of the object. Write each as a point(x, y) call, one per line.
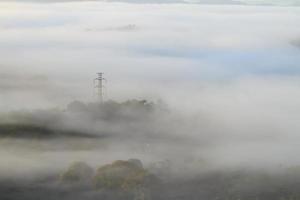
point(99, 86)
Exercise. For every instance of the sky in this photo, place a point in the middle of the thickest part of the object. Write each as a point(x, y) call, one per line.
point(273, 2)
point(244, 2)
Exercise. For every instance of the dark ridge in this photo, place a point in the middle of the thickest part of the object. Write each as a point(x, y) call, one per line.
point(31, 131)
point(296, 43)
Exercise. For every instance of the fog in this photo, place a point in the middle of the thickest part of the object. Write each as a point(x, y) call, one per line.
point(220, 83)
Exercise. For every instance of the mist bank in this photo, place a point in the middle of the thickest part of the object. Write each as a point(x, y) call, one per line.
point(231, 140)
point(160, 182)
point(249, 124)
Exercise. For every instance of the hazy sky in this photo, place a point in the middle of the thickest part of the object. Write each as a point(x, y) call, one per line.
point(246, 2)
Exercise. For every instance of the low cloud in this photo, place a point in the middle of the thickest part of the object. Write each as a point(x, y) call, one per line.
point(139, 46)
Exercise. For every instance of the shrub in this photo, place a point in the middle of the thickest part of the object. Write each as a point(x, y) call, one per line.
point(123, 175)
point(77, 172)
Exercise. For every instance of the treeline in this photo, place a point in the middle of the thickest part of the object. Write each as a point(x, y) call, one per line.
point(77, 119)
point(111, 110)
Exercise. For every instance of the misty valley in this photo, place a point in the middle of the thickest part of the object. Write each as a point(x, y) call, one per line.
point(127, 150)
point(149, 100)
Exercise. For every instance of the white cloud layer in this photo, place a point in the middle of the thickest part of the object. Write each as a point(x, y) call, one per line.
point(146, 45)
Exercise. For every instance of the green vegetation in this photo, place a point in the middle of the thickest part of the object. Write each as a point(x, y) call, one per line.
point(119, 175)
point(78, 172)
point(128, 179)
point(123, 175)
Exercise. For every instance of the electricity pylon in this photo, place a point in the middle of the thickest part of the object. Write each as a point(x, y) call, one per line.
point(98, 84)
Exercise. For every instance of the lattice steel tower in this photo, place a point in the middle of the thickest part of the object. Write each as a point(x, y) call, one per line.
point(99, 86)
